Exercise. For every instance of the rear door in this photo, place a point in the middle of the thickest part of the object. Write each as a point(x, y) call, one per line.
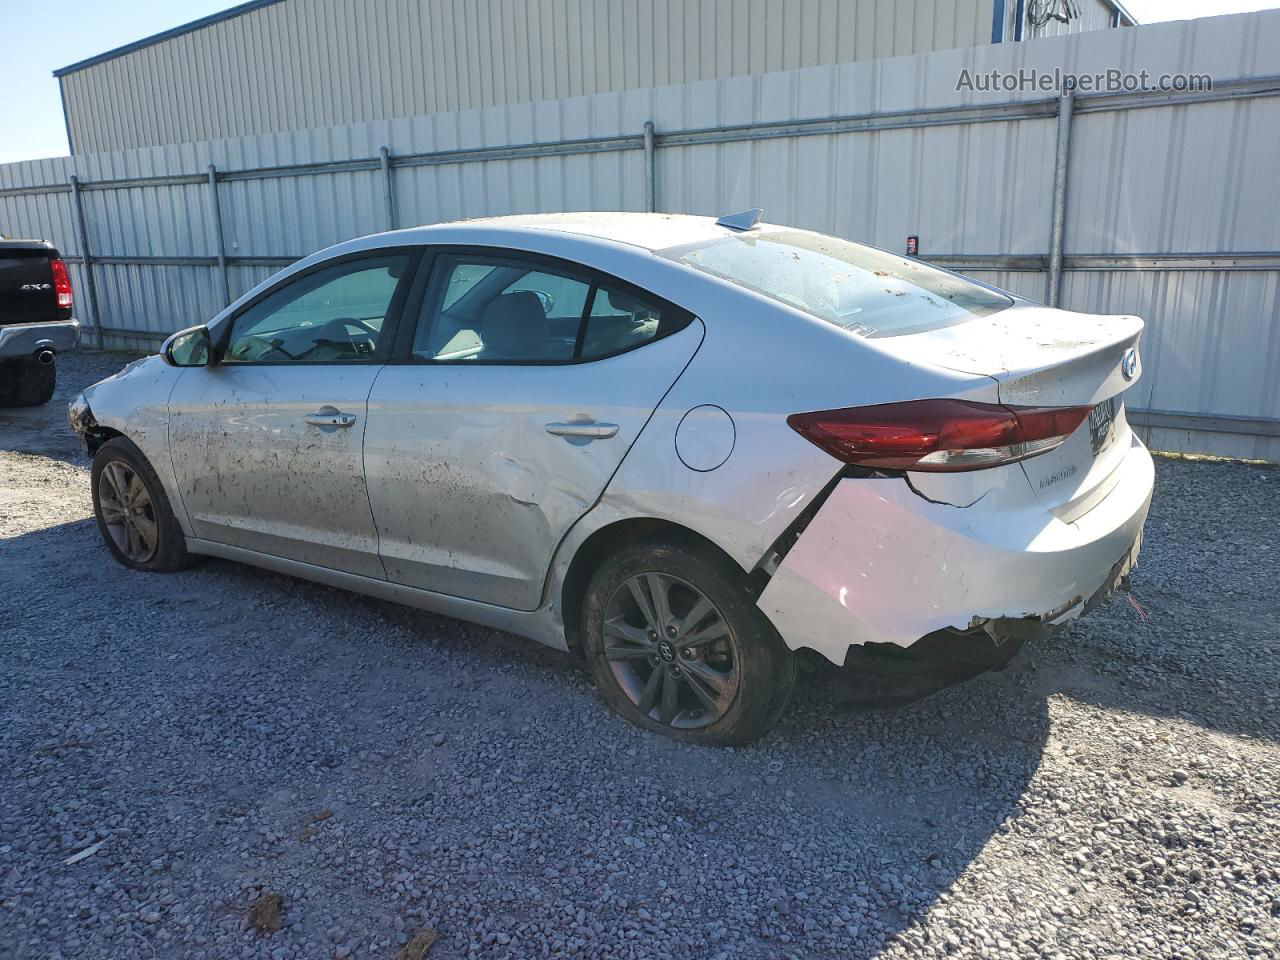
point(267, 444)
point(519, 390)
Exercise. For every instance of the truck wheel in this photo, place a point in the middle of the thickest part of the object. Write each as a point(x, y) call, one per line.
point(26, 383)
point(133, 511)
point(677, 645)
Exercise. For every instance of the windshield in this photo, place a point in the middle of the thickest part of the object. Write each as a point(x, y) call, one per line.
point(864, 290)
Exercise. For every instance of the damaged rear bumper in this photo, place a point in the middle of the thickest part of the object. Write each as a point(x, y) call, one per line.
point(23, 340)
point(886, 675)
point(880, 565)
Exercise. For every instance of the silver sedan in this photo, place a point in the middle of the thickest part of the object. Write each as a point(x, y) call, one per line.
point(682, 448)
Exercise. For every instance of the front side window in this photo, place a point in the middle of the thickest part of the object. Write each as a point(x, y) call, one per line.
point(864, 290)
point(510, 310)
point(333, 315)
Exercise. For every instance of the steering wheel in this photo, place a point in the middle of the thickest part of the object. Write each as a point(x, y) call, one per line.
point(353, 322)
point(240, 352)
point(336, 333)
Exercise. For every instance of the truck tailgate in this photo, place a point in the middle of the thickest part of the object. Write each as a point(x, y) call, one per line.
point(26, 287)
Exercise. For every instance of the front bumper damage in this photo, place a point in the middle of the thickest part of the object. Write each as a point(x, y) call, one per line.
point(882, 573)
point(86, 427)
point(81, 418)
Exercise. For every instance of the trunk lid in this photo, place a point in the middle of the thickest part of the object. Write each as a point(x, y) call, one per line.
point(1044, 357)
point(1040, 357)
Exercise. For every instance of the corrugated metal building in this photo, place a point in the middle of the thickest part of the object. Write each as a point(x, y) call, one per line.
point(276, 65)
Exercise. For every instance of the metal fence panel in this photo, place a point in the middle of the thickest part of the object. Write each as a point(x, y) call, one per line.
point(1167, 207)
point(244, 277)
point(156, 299)
point(606, 180)
point(144, 220)
point(292, 216)
point(881, 187)
point(40, 214)
point(1183, 178)
point(1211, 346)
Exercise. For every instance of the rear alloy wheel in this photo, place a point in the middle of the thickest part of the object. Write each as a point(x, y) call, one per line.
point(678, 646)
point(670, 651)
point(133, 512)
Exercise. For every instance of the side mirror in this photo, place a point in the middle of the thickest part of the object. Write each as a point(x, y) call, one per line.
point(188, 348)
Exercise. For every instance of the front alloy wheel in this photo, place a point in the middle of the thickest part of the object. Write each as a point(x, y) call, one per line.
point(127, 511)
point(132, 510)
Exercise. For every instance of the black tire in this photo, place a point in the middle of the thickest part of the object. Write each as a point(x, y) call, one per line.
point(120, 458)
point(749, 649)
point(27, 383)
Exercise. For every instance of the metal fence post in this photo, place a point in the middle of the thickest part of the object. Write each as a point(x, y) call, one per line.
point(220, 241)
point(388, 197)
point(650, 170)
point(86, 258)
point(1053, 285)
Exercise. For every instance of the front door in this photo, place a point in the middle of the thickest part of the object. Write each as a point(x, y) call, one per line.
point(525, 385)
point(267, 444)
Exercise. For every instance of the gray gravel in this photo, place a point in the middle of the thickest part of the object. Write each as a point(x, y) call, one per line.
point(223, 732)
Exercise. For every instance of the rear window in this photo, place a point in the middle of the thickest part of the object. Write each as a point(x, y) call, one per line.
point(864, 290)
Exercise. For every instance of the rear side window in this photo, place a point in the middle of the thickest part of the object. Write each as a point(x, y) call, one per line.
point(512, 310)
point(618, 321)
point(864, 290)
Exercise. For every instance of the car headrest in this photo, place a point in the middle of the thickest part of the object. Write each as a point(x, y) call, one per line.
point(624, 303)
point(514, 325)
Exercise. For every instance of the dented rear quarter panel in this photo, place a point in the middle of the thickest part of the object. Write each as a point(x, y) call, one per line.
point(762, 361)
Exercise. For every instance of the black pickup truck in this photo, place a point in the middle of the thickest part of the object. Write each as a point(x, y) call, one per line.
point(35, 320)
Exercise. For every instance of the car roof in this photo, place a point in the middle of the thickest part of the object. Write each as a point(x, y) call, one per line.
point(650, 231)
point(582, 236)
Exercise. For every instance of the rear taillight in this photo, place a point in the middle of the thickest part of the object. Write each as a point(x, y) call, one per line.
point(62, 284)
point(941, 436)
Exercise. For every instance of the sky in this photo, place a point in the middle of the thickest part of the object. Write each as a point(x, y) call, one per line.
point(36, 39)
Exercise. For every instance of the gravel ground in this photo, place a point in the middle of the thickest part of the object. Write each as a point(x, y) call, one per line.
point(210, 736)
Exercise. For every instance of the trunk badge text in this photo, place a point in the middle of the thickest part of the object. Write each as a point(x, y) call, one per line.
point(1102, 421)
